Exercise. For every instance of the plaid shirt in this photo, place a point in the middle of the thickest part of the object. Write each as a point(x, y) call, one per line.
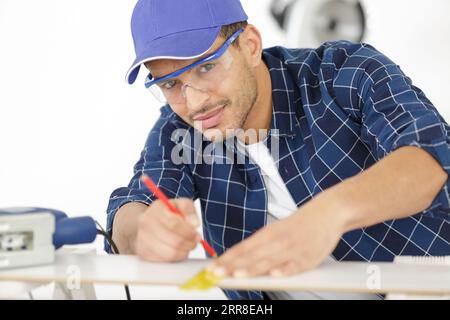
point(337, 109)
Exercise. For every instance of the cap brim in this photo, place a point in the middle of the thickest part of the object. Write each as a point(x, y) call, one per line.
point(179, 46)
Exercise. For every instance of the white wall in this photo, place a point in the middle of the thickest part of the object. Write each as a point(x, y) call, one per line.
point(416, 35)
point(71, 128)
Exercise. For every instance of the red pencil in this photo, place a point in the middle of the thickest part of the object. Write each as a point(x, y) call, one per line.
point(161, 196)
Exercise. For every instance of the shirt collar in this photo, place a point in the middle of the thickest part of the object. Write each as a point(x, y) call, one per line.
point(286, 108)
point(285, 96)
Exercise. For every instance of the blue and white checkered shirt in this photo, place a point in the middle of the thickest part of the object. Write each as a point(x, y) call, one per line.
point(338, 109)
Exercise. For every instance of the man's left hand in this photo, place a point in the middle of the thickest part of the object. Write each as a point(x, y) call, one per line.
point(292, 245)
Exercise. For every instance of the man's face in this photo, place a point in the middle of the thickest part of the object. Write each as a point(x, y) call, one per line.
point(221, 109)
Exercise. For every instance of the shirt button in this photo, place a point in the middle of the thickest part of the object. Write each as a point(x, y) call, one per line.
point(285, 169)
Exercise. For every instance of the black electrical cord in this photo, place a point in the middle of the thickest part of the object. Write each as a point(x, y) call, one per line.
point(108, 238)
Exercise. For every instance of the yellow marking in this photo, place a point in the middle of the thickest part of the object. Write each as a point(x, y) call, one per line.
point(203, 280)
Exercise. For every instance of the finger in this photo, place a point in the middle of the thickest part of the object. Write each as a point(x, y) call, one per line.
point(263, 267)
point(173, 238)
point(177, 224)
point(263, 245)
point(286, 269)
point(187, 208)
point(144, 250)
point(166, 228)
point(147, 254)
point(239, 250)
point(152, 248)
point(270, 247)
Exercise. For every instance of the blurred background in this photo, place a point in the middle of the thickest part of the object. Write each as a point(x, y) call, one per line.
point(71, 129)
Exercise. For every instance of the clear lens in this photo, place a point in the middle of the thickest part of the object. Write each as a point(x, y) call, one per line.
point(205, 77)
point(157, 93)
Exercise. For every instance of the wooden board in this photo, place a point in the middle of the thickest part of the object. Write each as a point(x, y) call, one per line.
point(335, 276)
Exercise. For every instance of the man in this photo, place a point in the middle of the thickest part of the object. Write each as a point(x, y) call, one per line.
point(345, 158)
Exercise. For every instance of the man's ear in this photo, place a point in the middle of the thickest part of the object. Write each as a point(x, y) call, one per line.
point(250, 42)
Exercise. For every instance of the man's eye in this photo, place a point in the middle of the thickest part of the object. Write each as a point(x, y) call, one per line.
point(207, 67)
point(168, 84)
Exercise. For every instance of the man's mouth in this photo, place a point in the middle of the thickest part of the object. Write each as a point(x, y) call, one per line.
point(212, 118)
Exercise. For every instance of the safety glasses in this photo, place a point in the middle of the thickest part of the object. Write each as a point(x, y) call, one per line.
point(202, 75)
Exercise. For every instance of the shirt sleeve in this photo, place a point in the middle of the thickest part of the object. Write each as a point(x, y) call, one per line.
point(392, 111)
point(155, 161)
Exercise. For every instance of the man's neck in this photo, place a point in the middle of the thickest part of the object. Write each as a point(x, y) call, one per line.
point(260, 117)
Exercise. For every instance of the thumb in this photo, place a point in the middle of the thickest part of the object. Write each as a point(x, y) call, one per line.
point(186, 206)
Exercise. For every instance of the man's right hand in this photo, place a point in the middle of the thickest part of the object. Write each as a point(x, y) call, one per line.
point(159, 235)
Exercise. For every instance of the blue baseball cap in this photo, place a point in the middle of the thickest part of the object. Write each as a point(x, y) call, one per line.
point(178, 29)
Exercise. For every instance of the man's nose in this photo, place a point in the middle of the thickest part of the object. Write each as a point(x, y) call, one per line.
point(195, 98)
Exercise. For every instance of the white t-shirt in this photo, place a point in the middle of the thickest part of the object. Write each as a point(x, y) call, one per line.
point(281, 205)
